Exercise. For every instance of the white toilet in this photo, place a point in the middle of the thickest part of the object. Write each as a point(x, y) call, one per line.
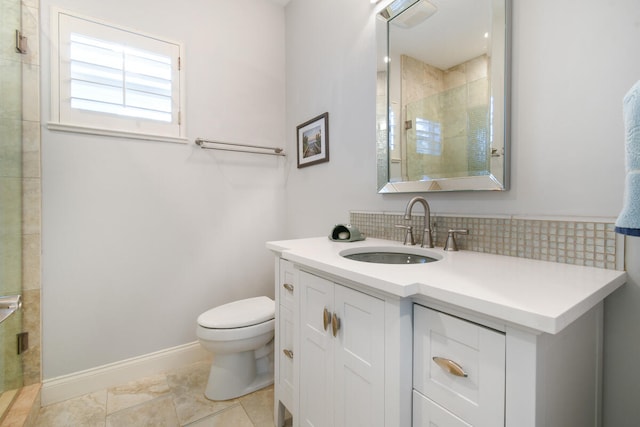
point(240, 336)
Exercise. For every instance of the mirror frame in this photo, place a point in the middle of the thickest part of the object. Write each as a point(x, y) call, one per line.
point(466, 183)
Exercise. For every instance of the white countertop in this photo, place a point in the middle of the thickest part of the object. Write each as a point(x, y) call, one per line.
point(544, 296)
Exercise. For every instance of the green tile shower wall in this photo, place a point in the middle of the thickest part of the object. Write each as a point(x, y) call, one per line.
point(10, 190)
point(20, 194)
point(31, 192)
point(456, 98)
point(568, 242)
point(11, 373)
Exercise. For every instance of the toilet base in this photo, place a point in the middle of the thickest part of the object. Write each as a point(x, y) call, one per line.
point(260, 382)
point(237, 374)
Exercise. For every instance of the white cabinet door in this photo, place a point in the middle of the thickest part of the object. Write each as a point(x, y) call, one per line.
point(359, 359)
point(316, 352)
point(445, 348)
point(341, 375)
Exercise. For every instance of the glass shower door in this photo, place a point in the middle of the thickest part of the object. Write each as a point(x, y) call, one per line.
point(10, 193)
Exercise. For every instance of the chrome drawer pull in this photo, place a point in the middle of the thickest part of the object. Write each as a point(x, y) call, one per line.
point(288, 287)
point(450, 366)
point(288, 353)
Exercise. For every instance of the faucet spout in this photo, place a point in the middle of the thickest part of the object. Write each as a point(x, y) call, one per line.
point(427, 232)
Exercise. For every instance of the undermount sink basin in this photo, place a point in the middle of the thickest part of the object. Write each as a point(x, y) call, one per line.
point(391, 255)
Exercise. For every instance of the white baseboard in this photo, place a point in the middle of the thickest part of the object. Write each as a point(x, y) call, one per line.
point(73, 385)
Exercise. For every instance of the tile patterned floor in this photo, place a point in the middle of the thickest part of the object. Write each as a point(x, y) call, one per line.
point(172, 399)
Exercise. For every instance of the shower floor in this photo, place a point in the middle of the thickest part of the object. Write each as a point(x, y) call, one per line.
point(20, 406)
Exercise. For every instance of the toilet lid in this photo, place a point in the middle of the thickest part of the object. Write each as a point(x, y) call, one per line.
point(238, 314)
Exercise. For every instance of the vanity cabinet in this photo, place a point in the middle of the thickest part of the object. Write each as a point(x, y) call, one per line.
point(285, 339)
point(356, 342)
point(343, 352)
point(458, 371)
point(341, 355)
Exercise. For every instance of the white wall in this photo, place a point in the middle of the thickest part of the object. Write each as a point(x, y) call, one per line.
point(572, 64)
point(139, 237)
point(573, 61)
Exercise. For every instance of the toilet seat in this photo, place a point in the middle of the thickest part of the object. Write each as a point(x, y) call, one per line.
point(239, 314)
point(235, 334)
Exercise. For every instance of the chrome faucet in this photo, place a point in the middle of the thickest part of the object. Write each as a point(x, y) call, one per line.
point(427, 232)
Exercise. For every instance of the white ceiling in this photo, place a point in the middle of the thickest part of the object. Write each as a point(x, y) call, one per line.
point(451, 36)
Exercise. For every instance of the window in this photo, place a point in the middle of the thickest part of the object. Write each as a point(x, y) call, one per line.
point(111, 81)
point(428, 137)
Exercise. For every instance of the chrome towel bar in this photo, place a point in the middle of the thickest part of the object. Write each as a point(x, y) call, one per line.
point(245, 148)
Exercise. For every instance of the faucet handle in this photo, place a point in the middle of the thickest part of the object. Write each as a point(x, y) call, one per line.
point(408, 235)
point(451, 244)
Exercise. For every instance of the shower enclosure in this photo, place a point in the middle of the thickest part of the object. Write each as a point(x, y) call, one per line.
point(10, 195)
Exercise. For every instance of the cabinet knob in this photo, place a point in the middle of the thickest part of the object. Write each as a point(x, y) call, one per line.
point(335, 324)
point(288, 353)
point(450, 366)
point(288, 287)
point(326, 318)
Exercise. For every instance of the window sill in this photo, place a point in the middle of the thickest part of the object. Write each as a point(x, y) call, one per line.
point(62, 127)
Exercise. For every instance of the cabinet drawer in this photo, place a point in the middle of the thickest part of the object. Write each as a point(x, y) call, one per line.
point(427, 413)
point(460, 366)
point(286, 355)
point(287, 283)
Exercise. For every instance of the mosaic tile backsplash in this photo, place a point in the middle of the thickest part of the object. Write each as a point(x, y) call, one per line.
point(569, 242)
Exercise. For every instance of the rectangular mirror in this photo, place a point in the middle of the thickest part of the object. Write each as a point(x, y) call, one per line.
point(442, 101)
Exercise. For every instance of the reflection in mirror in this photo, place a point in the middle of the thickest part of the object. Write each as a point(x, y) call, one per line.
point(442, 105)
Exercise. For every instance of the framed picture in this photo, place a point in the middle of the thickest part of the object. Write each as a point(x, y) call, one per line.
point(313, 141)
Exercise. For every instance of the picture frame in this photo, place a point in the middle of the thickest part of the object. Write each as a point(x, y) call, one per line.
point(313, 141)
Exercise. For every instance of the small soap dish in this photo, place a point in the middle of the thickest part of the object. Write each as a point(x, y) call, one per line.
point(345, 233)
